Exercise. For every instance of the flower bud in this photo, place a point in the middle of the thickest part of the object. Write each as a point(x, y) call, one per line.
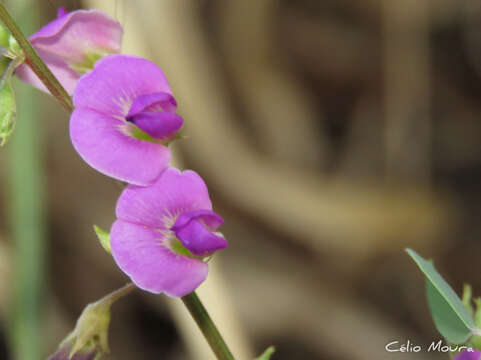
point(89, 339)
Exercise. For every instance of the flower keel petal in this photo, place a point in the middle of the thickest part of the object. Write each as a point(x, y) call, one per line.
point(100, 142)
point(198, 240)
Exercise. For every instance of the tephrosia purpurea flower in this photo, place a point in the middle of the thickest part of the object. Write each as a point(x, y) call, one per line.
point(123, 119)
point(71, 44)
point(163, 231)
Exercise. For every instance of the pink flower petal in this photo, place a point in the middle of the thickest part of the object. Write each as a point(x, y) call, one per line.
point(71, 41)
point(158, 206)
point(78, 33)
point(67, 77)
point(100, 142)
point(115, 83)
point(142, 254)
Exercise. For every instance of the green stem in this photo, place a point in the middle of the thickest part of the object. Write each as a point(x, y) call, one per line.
point(207, 326)
point(35, 62)
point(117, 294)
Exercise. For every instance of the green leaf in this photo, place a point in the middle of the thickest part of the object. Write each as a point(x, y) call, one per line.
point(104, 238)
point(449, 314)
point(266, 355)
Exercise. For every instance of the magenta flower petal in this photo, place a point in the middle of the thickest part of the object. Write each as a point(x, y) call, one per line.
point(469, 355)
point(67, 76)
point(159, 205)
point(78, 33)
point(144, 255)
point(73, 42)
point(116, 82)
point(198, 240)
point(100, 141)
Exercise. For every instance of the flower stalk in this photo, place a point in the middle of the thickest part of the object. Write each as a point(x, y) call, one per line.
point(35, 62)
point(207, 326)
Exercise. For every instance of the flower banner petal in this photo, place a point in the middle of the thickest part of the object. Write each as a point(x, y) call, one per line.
point(101, 143)
point(78, 33)
point(158, 205)
point(116, 81)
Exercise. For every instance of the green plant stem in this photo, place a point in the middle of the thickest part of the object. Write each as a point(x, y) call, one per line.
point(119, 293)
point(35, 62)
point(207, 326)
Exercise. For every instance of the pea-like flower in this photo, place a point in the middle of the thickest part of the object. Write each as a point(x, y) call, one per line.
point(124, 118)
point(164, 232)
point(71, 44)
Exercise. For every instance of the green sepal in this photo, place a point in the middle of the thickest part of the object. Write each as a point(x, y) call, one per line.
point(104, 238)
point(4, 36)
point(266, 355)
point(90, 335)
point(88, 63)
point(449, 314)
point(92, 328)
point(15, 48)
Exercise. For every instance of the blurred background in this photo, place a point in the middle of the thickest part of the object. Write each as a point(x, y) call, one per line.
point(332, 134)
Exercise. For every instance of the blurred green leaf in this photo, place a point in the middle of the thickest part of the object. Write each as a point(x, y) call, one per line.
point(449, 314)
point(8, 112)
point(266, 355)
point(104, 238)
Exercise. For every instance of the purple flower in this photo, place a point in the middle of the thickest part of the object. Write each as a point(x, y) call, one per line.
point(123, 119)
point(469, 355)
point(163, 231)
point(71, 44)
